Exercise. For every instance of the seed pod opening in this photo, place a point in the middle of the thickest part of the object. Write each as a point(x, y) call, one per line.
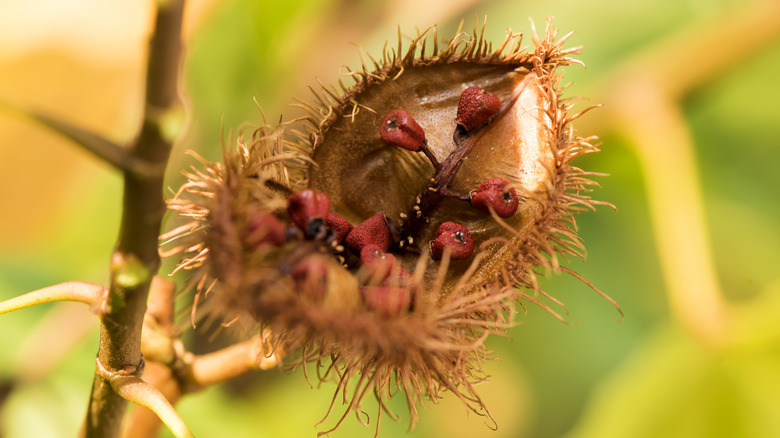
point(407, 317)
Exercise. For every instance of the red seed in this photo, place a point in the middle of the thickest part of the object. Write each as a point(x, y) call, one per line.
point(339, 225)
point(401, 130)
point(311, 278)
point(264, 229)
point(383, 269)
point(306, 205)
point(495, 193)
point(377, 264)
point(400, 277)
point(475, 107)
point(372, 254)
point(388, 301)
point(454, 237)
point(371, 231)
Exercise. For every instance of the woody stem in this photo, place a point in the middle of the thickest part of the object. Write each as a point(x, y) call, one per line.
point(136, 259)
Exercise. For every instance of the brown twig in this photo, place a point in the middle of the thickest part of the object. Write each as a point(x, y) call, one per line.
point(188, 373)
point(690, 58)
point(78, 291)
point(135, 259)
point(233, 361)
point(128, 385)
point(142, 422)
point(99, 146)
point(658, 131)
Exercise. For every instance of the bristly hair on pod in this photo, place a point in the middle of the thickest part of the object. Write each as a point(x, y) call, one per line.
point(387, 234)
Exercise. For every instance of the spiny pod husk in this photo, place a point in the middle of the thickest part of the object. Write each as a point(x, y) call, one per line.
point(422, 326)
point(529, 144)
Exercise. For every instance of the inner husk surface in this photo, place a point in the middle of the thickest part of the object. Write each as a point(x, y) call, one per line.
point(362, 175)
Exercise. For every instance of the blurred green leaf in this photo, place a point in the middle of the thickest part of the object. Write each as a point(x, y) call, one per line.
point(673, 386)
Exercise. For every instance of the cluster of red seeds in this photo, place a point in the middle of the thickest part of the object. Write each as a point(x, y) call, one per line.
point(385, 287)
point(476, 108)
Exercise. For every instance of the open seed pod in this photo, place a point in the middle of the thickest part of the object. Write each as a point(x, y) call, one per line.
point(416, 205)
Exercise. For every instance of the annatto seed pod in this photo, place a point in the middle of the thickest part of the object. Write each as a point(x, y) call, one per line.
point(421, 327)
point(311, 277)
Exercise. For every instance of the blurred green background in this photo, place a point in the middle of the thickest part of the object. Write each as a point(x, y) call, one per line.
point(648, 375)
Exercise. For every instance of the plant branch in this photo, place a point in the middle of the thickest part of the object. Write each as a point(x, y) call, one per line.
point(161, 302)
point(699, 53)
point(93, 294)
point(665, 148)
point(100, 147)
point(219, 366)
point(692, 57)
point(187, 373)
point(136, 259)
point(133, 389)
point(142, 422)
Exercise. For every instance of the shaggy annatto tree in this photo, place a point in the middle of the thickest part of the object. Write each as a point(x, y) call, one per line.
point(380, 243)
point(387, 234)
point(380, 240)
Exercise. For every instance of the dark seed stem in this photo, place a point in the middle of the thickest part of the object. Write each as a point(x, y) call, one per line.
point(430, 198)
point(432, 158)
point(453, 194)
